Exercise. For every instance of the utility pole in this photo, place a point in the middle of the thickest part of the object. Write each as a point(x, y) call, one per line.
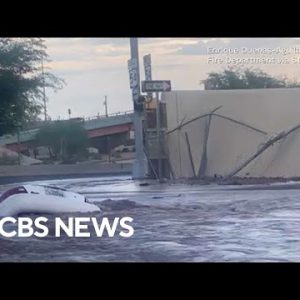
point(105, 104)
point(44, 92)
point(158, 136)
point(140, 163)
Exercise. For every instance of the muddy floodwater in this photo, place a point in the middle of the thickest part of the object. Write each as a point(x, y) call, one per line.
point(177, 223)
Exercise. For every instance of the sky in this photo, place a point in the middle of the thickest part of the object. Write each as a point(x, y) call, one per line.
point(95, 67)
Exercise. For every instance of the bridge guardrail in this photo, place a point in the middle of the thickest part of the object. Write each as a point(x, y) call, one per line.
point(127, 112)
point(40, 123)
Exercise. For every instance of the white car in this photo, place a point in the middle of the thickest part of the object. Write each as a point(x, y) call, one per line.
point(43, 199)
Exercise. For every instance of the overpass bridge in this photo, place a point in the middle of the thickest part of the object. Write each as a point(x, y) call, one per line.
point(96, 127)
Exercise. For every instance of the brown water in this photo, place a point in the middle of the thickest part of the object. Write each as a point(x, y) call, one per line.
point(175, 223)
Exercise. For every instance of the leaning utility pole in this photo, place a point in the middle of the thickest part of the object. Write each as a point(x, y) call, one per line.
point(262, 149)
point(140, 163)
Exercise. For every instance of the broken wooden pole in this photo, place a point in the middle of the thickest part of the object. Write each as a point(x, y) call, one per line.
point(217, 115)
point(241, 123)
point(192, 120)
point(203, 162)
point(150, 163)
point(170, 167)
point(190, 154)
point(269, 143)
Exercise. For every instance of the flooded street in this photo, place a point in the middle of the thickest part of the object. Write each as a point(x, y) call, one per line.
point(177, 223)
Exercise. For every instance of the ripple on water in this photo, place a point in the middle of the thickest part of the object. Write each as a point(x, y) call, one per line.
point(175, 223)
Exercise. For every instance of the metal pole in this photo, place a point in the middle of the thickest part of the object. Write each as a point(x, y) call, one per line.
point(140, 163)
point(158, 136)
point(105, 104)
point(148, 76)
point(19, 145)
point(44, 92)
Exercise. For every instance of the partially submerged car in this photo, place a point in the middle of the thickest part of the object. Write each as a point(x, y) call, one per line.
point(43, 199)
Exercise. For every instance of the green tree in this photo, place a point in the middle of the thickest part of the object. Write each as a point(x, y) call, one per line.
point(22, 81)
point(237, 78)
point(65, 139)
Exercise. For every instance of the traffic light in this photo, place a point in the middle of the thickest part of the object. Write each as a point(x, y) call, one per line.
point(138, 107)
point(139, 104)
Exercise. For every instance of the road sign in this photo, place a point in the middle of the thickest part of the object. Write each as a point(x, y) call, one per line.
point(156, 86)
point(147, 66)
point(147, 60)
point(132, 64)
point(133, 73)
point(148, 72)
point(133, 78)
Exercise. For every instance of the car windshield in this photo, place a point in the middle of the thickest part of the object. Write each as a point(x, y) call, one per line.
point(13, 191)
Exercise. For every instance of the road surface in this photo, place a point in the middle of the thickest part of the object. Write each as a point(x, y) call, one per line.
point(178, 223)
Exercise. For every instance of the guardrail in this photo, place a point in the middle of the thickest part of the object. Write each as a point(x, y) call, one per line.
point(40, 123)
point(127, 112)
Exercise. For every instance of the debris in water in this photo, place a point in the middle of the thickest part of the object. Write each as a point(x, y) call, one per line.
point(119, 204)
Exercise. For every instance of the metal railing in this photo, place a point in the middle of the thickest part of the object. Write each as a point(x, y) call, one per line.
point(127, 112)
point(38, 124)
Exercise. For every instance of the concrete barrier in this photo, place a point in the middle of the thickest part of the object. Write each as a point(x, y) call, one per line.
point(17, 173)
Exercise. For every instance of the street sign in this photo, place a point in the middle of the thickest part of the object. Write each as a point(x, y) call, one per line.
point(147, 60)
point(156, 86)
point(132, 64)
point(133, 73)
point(133, 78)
point(148, 72)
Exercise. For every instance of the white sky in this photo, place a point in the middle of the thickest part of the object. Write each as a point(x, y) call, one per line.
point(95, 67)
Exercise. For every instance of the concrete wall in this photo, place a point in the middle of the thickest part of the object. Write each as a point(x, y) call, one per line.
point(77, 169)
point(229, 144)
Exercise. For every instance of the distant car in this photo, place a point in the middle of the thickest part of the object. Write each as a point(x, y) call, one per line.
point(123, 148)
point(92, 150)
point(78, 119)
